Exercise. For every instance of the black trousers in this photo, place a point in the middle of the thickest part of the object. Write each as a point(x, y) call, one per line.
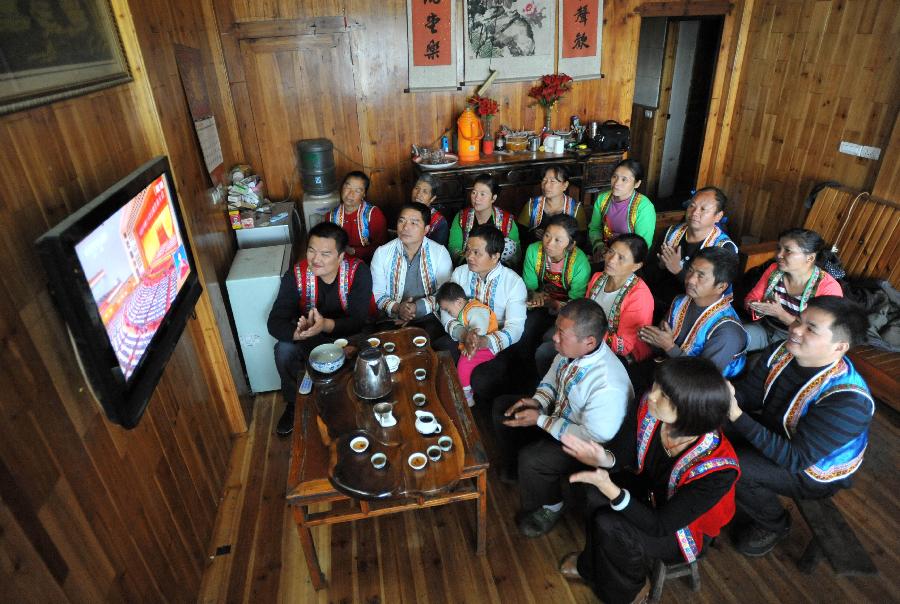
point(617, 555)
point(762, 481)
point(290, 361)
point(543, 466)
point(538, 322)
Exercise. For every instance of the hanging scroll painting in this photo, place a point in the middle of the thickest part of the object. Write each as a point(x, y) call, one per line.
point(580, 27)
point(433, 41)
point(514, 37)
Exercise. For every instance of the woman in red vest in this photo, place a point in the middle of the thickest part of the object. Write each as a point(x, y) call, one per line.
point(679, 492)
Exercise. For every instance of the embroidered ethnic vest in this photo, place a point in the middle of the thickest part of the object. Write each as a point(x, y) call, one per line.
point(716, 236)
point(840, 376)
point(362, 221)
point(809, 290)
point(603, 202)
point(595, 287)
point(541, 266)
point(712, 317)
point(436, 219)
point(712, 452)
point(536, 210)
point(307, 283)
point(502, 220)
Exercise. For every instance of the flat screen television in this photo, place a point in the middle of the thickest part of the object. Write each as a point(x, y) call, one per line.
point(123, 277)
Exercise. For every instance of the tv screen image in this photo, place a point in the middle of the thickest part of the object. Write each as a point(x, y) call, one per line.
point(136, 264)
point(123, 277)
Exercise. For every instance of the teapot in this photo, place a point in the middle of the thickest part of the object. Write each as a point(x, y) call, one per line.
point(426, 423)
point(371, 378)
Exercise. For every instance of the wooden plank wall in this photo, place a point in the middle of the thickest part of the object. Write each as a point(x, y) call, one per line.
point(388, 120)
point(90, 512)
point(164, 24)
point(815, 72)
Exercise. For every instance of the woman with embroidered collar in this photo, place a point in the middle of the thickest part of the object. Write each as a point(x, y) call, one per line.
point(553, 202)
point(682, 464)
point(621, 209)
point(483, 211)
point(555, 271)
point(363, 222)
point(782, 293)
point(426, 191)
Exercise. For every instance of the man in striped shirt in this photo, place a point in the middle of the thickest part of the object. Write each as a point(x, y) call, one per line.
point(803, 416)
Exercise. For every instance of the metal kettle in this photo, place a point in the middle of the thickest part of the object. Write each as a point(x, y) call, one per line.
point(371, 378)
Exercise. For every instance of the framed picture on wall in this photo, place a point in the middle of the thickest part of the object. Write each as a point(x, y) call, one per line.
point(515, 37)
point(51, 51)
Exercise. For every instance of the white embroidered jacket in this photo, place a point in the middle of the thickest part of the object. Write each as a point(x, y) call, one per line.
point(587, 396)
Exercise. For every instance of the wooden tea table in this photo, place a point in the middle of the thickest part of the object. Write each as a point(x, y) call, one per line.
point(324, 469)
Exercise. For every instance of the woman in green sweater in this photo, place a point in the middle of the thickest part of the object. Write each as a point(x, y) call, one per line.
point(555, 271)
point(483, 211)
point(621, 209)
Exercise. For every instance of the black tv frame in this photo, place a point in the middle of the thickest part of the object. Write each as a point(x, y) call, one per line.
point(124, 401)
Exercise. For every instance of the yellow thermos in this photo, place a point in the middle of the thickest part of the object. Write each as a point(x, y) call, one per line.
point(470, 133)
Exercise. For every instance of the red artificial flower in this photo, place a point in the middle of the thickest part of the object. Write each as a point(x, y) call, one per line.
point(483, 105)
point(551, 89)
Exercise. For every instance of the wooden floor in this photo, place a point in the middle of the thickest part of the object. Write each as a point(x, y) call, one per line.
point(428, 555)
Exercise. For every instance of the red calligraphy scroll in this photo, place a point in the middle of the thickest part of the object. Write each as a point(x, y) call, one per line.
point(431, 32)
point(580, 19)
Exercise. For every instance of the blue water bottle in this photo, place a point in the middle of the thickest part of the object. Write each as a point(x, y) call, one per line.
point(445, 144)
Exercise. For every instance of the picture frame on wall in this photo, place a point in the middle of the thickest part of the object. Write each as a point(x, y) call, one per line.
point(514, 37)
point(49, 54)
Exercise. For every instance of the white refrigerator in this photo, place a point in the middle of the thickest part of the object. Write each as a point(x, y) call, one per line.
point(252, 285)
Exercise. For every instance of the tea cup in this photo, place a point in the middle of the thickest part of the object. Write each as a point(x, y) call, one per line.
point(342, 342)
point(420, 374)
point(419, 399)
point(420, 341)
point(379, 460)
point(374, 342)
point(417, 460)
point(433, 452)
point(389, 347)
point(359, 444)
point(445, 443)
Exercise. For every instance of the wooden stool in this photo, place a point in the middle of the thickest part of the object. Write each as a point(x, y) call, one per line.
point(663, 571)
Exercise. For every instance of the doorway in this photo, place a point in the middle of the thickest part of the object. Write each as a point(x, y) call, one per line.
point(676, 66)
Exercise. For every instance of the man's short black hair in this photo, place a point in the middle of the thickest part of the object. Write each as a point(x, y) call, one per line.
point(492, 236)
point(724, 261)
point(719, 194)
point(848, 319)
point(419, 207)
point(589, 318)
point(450, 292)
point(329, 230)
point(698, 392)
point(357, 174)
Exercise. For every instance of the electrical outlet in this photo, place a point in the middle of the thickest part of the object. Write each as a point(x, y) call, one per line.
point(849, 148)
point(869, 152)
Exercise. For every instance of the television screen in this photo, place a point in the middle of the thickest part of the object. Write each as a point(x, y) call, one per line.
point(135, 263)
point(122, 274)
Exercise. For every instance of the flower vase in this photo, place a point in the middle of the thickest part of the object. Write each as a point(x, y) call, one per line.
point(548, 116)
point(487, 143)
